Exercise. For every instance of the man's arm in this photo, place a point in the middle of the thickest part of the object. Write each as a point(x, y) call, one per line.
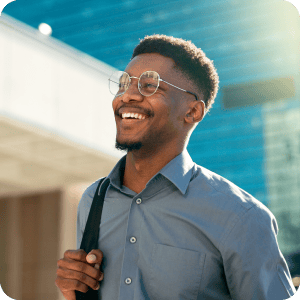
point(83, 210)
point(254, 265)
point(78, 270)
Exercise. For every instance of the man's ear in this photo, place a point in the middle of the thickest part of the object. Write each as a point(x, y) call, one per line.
point(196, 112)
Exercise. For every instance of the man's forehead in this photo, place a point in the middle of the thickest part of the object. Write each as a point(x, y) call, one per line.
point(150, 62)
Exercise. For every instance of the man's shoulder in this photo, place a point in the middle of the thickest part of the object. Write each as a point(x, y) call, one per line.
point(222, 191)
point(88, 195)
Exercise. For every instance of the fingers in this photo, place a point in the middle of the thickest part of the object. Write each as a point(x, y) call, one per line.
point(97, 266)
point(79, 267)
point(79, 271)
point(73, 280)
point(79, 255)
point(70, 285)
point(93, 257)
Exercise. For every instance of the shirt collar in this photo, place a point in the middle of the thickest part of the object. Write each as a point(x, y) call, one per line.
point(117, 173)
point(178, 171)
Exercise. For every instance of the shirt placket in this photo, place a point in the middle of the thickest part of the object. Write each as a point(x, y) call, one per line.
point(131, 252)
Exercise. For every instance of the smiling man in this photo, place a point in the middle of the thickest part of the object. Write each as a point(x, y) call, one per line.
point(167, 116)
point(170, 228)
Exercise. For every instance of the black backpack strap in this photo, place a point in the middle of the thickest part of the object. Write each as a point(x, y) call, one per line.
point(91, 233)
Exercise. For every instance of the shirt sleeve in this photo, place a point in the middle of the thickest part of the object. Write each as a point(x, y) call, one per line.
point(83, 210)
point(253, 263)
point(79, 231)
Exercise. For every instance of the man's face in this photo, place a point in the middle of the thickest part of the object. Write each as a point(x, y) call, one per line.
point(164, 111)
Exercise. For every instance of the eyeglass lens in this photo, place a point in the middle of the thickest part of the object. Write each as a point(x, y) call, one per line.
point(148, 83)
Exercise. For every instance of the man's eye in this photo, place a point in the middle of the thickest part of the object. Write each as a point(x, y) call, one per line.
point(149, 86)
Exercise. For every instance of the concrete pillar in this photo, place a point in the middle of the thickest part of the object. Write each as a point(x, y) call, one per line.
point(70, 198)
point(14, 250)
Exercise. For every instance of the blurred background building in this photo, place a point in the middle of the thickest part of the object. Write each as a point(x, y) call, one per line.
point(57, 128)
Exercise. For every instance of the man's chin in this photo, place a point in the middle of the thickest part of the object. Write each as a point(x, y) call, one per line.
point(128, 146)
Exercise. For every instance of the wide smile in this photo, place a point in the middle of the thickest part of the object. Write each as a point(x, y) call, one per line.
point(131, 118)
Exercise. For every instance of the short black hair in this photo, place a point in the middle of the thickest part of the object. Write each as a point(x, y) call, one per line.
point(189, 59)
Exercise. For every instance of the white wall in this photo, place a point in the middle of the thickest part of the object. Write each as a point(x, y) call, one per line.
point(53, 86)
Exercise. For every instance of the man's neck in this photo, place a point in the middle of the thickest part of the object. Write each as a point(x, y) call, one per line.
point(141, 167)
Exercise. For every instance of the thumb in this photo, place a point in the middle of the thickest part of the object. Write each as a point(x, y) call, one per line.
point(91, 258)
point(95, 256)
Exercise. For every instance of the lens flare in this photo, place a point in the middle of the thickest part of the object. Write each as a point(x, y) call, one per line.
point(45, 29)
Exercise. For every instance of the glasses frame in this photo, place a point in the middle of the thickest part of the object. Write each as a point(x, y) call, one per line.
point(159, 79)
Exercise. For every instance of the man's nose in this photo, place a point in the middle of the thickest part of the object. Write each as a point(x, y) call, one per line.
point(132, 93)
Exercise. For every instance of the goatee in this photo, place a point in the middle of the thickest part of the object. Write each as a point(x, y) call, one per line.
point(128, 146)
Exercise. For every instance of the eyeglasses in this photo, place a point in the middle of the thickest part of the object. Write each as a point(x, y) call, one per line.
point(148, 83)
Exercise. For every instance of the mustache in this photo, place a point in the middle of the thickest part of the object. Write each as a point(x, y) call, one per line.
point(141, 110)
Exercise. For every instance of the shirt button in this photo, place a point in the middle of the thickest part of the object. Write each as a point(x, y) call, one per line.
point(138, 201)
point(128, 280)
point(132, 240)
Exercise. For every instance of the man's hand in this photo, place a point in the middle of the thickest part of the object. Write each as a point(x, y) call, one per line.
point(78, 271)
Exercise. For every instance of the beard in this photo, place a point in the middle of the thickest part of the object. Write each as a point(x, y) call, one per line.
point(128, 146)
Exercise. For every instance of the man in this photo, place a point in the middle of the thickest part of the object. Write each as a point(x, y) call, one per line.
point(171, 229)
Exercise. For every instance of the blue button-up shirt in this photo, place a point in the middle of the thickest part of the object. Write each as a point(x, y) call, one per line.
point(190, 234)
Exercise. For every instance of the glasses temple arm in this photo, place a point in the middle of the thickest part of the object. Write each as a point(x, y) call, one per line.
point(182, 90)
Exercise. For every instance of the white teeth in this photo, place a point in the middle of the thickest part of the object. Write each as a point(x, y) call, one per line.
point(133, 115)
